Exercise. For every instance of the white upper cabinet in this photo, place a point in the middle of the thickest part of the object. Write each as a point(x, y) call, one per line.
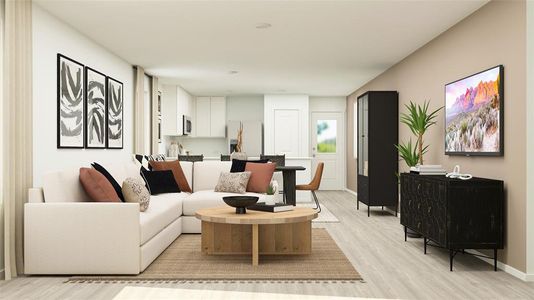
point(218, 117)
point(202, 119)
point(210, 118)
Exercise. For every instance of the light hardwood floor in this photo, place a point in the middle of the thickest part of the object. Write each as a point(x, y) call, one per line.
point(391, 268)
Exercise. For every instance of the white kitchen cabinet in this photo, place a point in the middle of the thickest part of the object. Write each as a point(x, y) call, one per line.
point(210, 118)
point(203, 115)
point(218, 117)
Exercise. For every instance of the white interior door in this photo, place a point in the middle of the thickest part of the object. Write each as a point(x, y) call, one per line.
point(328, 146)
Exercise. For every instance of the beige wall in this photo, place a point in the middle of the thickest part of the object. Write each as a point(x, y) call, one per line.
point(495, 34)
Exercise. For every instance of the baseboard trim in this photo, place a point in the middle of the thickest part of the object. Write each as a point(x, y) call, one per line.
point(351, 192)
point(506, 268)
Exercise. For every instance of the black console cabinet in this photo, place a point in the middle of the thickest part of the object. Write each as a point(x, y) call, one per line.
point(378, 160)
point(454, 214)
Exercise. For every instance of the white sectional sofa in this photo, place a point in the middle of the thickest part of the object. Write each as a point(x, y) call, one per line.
point(64, 233)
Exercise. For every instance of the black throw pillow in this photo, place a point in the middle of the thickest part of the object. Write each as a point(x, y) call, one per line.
point(239, 165)
point(159, 182)
point(114, 183)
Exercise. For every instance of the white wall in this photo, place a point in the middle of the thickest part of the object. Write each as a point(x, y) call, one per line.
point(530, 141)
point(287, 103)
point(244, 108)
point(50, 37)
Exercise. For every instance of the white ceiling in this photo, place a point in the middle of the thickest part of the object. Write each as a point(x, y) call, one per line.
point(313, 47)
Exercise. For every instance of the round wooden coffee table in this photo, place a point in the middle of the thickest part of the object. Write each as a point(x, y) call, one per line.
point(283, 233)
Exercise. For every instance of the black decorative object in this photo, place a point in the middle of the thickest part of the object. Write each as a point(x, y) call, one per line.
point(70, 104)
point(240, 202)
point(160, 182)
point(454, 214)
point(115, 113)
point(95, 109)
point(378, 127)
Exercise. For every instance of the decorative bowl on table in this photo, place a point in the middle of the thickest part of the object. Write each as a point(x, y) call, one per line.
point(240, 202)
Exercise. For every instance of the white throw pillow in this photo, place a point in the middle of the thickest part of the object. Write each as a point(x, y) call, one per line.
point(233, 182)
point(135, 191)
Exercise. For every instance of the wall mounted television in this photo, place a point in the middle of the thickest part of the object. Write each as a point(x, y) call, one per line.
point(474, 114)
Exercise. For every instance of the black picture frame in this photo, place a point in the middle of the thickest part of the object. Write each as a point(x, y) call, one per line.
point(113, 112)
point(89, 116)
point(501, 117)
point(75, 111)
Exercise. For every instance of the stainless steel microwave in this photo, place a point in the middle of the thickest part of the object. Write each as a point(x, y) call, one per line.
point(187, 125)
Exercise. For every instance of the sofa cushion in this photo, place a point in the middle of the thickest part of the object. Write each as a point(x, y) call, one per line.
point(239, 165)
point(260, 176)
point(206, 174)
point(207, 199)
point(135, 191)
point(177, 171)
point(233, 182)
point(97, 186)
point(160, 182)
point(162, 211)
point(110, 178)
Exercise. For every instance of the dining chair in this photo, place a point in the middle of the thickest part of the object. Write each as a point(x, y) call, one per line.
point(314, 184)
point(191, 158)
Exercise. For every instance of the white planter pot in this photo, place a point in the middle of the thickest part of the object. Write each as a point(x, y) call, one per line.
point(269, 199)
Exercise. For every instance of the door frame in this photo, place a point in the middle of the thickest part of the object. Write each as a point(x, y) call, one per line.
point(343, 116)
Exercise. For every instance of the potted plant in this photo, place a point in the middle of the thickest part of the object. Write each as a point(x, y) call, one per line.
point(272, 190)
point(419, 120)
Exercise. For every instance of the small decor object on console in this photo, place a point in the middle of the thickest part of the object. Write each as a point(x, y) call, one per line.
point(135, 191)
point(456, 174)
point(240, 202)
point(70, 105)
point(95, 109)
point(428, 170)
point(115, 108)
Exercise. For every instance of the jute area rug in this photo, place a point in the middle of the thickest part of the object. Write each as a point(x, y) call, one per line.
point(182, 261)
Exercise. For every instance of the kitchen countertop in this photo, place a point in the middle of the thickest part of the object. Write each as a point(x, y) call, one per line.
point(250, 158)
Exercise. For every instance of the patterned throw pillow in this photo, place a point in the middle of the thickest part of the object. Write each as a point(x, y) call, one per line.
point(233, 182)
point(134, 191)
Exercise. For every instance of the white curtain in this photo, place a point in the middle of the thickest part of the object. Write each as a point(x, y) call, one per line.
point(154, 116)
point(16, 127)
point(139, 99)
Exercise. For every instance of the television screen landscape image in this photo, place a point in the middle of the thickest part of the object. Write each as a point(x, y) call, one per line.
point(473, 114)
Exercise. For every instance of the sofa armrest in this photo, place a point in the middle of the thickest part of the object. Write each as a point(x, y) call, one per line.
point(81, 238)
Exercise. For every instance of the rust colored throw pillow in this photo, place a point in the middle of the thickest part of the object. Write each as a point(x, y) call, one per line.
point(177, 171)
point(97, 186)
point(260, 176)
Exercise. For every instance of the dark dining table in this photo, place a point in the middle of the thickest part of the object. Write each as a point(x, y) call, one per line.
point(290, 182)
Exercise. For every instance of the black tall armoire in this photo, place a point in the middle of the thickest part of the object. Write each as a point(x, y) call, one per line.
point(378, 160)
